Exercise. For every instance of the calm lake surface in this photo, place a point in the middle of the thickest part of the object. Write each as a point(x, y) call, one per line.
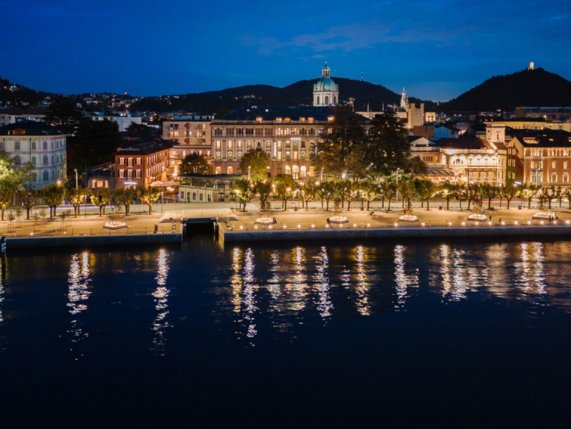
point(430, 333)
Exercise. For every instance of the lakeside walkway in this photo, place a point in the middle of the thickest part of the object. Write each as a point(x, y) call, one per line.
point(235, 224)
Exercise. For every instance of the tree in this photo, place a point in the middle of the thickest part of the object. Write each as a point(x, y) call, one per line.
point(528, 192)
point(243, 190)
point(490, 191)
point(325, 192)
point(29, 198)
point(94, 143)
point(264, 189)
point(76, 197)
point(255, 163)
point(549, 194)
point(100, 197)
point(125, 198)
point(340, 149)
point(407, 190)
point(425, 189)
point(369, 190)
point(285, 188)
point(509, 192)
point(567, 194)
point(446, 189)
point(307, 192)
point(389, 190)
point(11, 179)
point(473, 192)
point(387, 147)
point(53, 196)
point(149, 196)
point(195, 164)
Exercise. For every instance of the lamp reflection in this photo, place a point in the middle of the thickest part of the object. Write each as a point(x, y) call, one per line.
point(531, 274)
point(160, 295)
point(297, 282)
point(78, 294)
point(248, 296)
point(363, 304)
point(402, 279)
point(321, 281)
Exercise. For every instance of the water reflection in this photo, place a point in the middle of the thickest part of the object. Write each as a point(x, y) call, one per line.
point(2, 280)
point(403, 278)
point(78, 293)
point(161, 295)
point(321, 281)
point(362, 286)
point(288, 287)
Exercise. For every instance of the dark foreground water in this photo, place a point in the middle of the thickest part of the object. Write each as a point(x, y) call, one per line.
point(430, 334)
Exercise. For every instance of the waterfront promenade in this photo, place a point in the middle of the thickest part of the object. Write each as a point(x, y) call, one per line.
point(166, 220)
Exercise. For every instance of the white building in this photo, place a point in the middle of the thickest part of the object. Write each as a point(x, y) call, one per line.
point(123, 122)
point(325, 90)
point(40, 145)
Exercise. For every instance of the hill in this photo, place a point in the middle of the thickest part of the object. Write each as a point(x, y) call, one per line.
point(295, 94)
point(525, 88)
point(17, 95)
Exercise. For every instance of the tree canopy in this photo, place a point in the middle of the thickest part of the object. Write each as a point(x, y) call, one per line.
point(255, 164)
point(195, 164)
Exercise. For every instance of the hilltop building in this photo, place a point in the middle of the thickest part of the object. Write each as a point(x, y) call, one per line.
point(325, 90)
point(39, 144)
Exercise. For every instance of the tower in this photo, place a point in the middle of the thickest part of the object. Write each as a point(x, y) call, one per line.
point(325, 90)
point(404, 100)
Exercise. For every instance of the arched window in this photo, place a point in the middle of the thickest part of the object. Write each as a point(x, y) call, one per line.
point(326, 100)
point(303, 171)
point(554, 178)
point(318, 100)
point(565, 178)
point(46, 175)
point(201, 197)
point(218, 170)
point(287, 169)
point(194, 196)
point(295, 172)
point(230, 170)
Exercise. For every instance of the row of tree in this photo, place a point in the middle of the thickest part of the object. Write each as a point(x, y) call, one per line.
point(408, 188)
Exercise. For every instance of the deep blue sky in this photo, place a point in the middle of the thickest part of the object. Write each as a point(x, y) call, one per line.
point(435, 48)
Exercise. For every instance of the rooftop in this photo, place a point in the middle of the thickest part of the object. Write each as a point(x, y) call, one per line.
point(29, 128)
point(145, 148)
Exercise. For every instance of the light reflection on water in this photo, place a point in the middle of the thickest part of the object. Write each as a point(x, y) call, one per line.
point(303, 281)
point(161, 295)
point(79, 282)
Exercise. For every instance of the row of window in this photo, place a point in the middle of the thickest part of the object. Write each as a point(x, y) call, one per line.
point(265, 132)
point(55, 160)
point(57, 144)
point(287, 155)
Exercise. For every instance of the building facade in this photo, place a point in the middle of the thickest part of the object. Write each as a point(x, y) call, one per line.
point(142, 165)
point(190, 134)
point(541, 158)
point(287, 134)
point(40, 145)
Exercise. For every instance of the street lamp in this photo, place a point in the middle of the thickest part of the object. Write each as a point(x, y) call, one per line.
point(249, 170)
point(76, 179)
point(398, 171)
point(321, 175)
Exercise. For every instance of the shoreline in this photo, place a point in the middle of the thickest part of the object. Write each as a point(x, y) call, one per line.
point(400, 232)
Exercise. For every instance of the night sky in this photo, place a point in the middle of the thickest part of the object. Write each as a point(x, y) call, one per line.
point(435, 48)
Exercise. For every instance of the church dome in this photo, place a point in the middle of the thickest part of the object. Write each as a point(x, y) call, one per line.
point(325, 84)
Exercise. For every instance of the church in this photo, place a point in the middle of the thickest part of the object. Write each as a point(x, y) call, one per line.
point(325, 90)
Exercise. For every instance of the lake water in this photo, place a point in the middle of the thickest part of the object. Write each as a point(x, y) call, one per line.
point(461, 333)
